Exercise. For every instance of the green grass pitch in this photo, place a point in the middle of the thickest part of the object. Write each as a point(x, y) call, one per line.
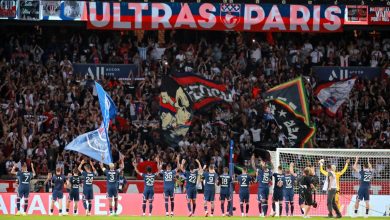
point(10, 217)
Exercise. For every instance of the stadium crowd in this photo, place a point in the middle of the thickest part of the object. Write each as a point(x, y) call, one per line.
point(45, 104)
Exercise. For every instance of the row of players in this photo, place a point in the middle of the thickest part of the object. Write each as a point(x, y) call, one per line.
point(283, 187)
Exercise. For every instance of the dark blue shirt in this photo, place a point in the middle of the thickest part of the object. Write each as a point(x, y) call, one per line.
point(24, 178)
point(225, 181)
point(288, 182)
point(210, 180)
point(264, 178)
point(88, 179)
point(365, 178)
point(243, 181)
point(149, 180)
point(112, 177)
point(191, 179)
point(168, 177)
point(75, 182)
point(58, 182)
point(278, 179)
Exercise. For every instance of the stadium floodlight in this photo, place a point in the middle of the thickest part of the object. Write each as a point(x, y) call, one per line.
point(349, 180)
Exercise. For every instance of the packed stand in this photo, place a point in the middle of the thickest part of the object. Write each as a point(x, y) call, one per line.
point(45, 105)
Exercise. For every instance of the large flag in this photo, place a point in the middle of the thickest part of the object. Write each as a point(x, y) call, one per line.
point(333, 94)
point(292, 125)
point(96, 144)
point(201, 91)
point(175, 111)
point(291, 97)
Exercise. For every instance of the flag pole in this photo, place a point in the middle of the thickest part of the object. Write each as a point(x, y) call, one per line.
point(231, 173)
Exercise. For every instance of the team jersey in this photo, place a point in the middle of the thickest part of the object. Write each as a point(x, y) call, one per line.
point(225, 181)
point(365, 178)
point(243, 181)
point(149, 180)
point(288, 182)
point(88, 179)
point(58, 182)
point(191, 178)
point(264, 178)
point(121, 182)
point(24, 178)
point(169, 177)
point(278, 179)
point(112, 177)
point(75, 182)
point(210, 180)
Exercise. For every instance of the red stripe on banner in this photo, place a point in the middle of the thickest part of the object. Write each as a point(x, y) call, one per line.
point(168, 106)
point(189, 80)
point(205, 102)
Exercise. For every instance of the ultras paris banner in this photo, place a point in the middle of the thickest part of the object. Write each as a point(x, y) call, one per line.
point(208, 16)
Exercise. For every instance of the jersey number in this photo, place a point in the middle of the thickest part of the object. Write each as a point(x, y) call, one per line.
point(288, 182)
point(243, 181)
point(265, 179)
point(211, 180)
point(224, 181)
point(88, 180)
point(26, 180)
point(112, 178)
point(367, 178)
point(192, 179)
point(168, 177)
point(149, 181)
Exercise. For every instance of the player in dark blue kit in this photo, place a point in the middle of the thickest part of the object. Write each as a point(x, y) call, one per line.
point(191, 181)
point(121, 182)
point(277, 196)
point(149, 179)
point(88, 175)
point(112, 176)
point(73, 182)
point(224, 181)
point(58, 181)
point(365, 183)
point(24, 178)
point(288, 189)
point(243, 181)
point(169, 185)
point(264, 178)
point(210, 179)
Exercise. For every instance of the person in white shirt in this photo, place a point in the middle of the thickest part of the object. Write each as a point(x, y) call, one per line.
point(332, 190)
point(376, 56)
point(256, 138)
point(344, 59)
point(316, 56)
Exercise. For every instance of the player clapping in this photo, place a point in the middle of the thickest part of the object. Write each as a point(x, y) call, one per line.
point(210, 178)
point(243, 180)
point(88, 175)
point(288, 189)
point(191, 180)
point(225, 181)
point(263, 177)
point(169, 185)
point(24, 178)
point(112, 176)
point(58, 180)
point(74, 182)
point(364, 188)
point(277, 196)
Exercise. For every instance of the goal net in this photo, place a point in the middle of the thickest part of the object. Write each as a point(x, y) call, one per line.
point(349, 180)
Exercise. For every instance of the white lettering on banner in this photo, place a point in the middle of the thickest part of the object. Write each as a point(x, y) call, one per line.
point(249, 21)
point(289, 125)
point(274, 20)
point(164, 20)
point(185, 17)
point(36, 204)
point(199, 92)
point(93, 15)
point(100, 205)
point(334, 20)
point(3, 207)
point(208, 19)
point(117, 17)
point(120, 207)
point(13, 205)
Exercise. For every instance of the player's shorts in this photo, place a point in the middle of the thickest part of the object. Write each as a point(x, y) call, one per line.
point(277, 195)
point(288, 195)
point(57, 195)
point(169, 192)
point(148, 194)
point(308, 198)
point(74, 195)
point(23, 192)
point(112, 192)
point(209, 196)
point(225, 196)
point(244, 197)
point(263, 194)
point(88, 193)
point(363, 194)
point(191, 193)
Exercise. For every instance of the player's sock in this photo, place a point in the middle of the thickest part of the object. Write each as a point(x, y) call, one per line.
point(223, 206)
point(75, 211)
point(205, 208)
point(259, 204)
point(212, 208)
point(193, 206)
point(189, 206)
point(247, 208)
point(67, 210)
point(229, 206)
point(85, 203)
point(143, 206)
point(115, 205)
point(89, 206)
point(367, 211)
point(110, 209)
point(18, 203)
point(166, 204)
point(51, 210)
point(172, 204)
point(264, 205)
point(292, 208)
point(280, 208)
point(302, 211)
point(150, 207)
point(242, 207)
point(356, 211)
point(273, 206)
point(287, 208)
point(25, 205)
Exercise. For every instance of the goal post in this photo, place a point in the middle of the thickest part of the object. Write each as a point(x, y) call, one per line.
point(348, 181)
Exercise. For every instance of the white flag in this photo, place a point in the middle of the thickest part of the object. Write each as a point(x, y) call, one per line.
point(333, 94)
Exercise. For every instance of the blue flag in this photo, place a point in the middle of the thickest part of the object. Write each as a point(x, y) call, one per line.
point(96, 144)
point(93, 144)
